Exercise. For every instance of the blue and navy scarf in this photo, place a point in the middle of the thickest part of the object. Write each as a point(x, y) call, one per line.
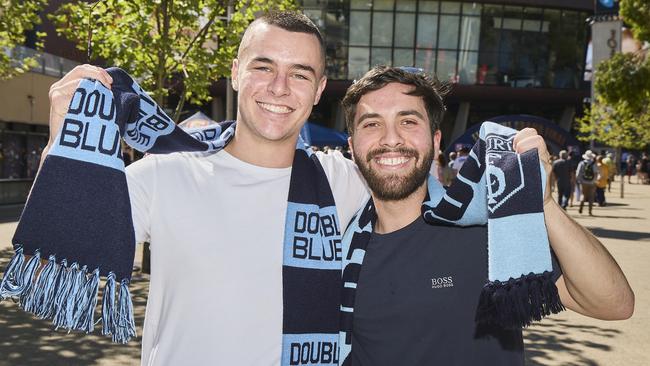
point(495, 186)
point(77, 226)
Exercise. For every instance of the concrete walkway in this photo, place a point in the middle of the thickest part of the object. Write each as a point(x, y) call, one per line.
point(565, 339)
point(572, 339)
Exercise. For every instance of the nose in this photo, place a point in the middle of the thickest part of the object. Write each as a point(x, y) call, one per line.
point(279, 86)
point(391, 136)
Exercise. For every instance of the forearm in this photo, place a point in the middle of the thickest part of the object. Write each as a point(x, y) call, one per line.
point(594, 284)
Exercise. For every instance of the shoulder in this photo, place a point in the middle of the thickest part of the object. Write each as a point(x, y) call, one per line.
point(336, 165)
point(160, 163)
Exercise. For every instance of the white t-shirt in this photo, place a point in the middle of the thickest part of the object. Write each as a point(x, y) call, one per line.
point(216, 227)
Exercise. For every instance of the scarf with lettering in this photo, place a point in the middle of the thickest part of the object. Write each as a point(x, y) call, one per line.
point(77, 226)
point(495, 186)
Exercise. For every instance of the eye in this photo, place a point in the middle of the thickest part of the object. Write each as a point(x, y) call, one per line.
point(409, 122)
point(262, 68)
point(300, 77)
point(370, 124)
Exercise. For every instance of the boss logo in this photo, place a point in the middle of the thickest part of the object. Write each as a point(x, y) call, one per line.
point(442, 282)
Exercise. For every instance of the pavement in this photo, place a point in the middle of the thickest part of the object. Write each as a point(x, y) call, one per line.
point(564, 339)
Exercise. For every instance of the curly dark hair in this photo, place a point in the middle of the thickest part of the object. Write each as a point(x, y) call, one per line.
point(426, 86)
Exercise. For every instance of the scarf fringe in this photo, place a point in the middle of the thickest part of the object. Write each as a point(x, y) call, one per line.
point(68, 295)
point(518, 302)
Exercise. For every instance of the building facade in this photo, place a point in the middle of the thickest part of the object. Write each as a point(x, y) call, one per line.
point(503, 58)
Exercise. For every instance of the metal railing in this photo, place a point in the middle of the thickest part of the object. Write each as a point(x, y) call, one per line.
point(48, 64)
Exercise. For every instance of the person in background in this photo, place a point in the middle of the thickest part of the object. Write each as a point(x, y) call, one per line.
point(611, 165)
point(452, 160)
point(463, 153)
point(601, 181)
point(586, 176)
point(631, 167)
point(574, 160)
point(643, 167)
point(445, 174)
point(561, 173)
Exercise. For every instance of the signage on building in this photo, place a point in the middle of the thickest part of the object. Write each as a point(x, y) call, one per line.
point(606, 40)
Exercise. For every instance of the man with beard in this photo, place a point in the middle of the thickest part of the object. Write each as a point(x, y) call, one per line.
point(399, 317)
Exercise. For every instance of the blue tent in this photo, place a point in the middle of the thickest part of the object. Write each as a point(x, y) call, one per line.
point(317, 135)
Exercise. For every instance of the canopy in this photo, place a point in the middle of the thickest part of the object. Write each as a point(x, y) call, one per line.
point(198, 119)
point(318, 135)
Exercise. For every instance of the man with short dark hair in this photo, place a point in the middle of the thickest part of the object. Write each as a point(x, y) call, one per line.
point(418, 287)
point(223, 268)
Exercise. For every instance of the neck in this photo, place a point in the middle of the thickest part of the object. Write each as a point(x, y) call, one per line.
point(264, 153)
point(394, 215)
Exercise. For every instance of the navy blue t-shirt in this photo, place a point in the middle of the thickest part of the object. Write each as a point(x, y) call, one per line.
point(417, 296)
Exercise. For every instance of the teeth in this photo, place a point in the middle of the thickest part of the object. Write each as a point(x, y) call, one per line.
point(275, 108)
point(393, 161)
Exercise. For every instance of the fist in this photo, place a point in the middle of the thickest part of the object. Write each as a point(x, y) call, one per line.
point(62, 91)
point(528, 139)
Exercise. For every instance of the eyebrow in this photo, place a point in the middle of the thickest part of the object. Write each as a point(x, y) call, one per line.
point(411, 112)
point(267, 60)
point(367, 116)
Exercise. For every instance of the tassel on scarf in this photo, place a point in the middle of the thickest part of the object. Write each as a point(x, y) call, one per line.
point(86, 303)
point(68, 295)
point(124, 320)
point(11, 284)
point(108, 306)
point(45, 289)
point(518, 302)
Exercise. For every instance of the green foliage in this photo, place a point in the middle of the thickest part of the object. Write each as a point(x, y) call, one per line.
point(620, 116)
point(636, 13)
point(16, 18)
point(624, 78)
point(179, 45)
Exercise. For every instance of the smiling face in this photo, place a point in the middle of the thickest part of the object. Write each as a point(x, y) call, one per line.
point(392, 143)
point(279, 77)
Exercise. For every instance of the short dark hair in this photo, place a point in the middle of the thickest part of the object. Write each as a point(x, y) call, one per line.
point(426, 86)
point(294, 21)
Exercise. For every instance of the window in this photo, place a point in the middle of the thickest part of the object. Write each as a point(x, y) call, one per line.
point(382, 29)
point(427, 35)
point(402, 57)
point(359, 28)
point(358, 61)
point(448, 31)
point(380, 56)
point(405, 29)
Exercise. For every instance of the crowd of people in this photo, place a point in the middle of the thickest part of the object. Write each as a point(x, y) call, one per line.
point(577, 179)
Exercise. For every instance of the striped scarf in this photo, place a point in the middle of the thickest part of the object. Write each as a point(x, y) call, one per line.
point(77, 226)
point(495, 186)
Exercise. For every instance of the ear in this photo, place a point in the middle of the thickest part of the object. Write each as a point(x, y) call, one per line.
point(437, 136)
point(321, 86)
point(234, 76)
point(351, 148)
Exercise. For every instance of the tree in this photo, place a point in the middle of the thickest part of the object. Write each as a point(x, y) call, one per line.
point(178, 46)
point(636, 14)
point(619, 116)
point(16, 18)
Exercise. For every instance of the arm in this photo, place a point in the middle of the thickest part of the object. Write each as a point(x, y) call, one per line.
point(592, 283)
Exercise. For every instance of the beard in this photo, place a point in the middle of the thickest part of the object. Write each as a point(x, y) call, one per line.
point(395, 187)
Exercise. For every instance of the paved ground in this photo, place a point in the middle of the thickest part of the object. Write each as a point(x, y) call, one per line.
point(565, 339)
